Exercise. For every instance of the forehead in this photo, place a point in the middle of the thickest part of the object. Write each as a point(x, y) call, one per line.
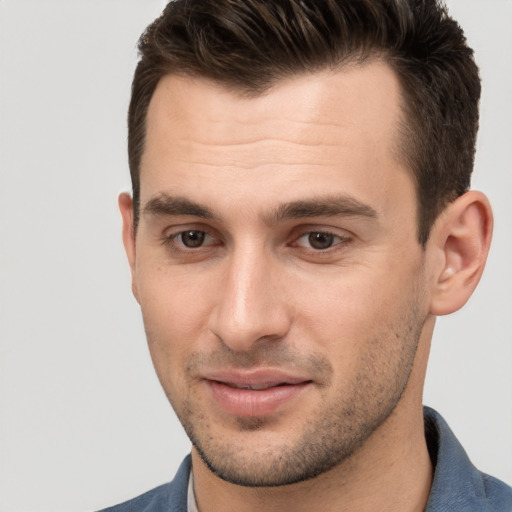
point(368, 94)
point(302, 133)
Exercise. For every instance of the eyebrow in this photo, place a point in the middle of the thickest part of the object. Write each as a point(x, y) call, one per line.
point(330, 206)
point(324, 206)
point(164, 204)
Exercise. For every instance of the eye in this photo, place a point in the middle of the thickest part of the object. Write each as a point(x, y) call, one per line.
point(192, 238)
point(319, 240)
point(189, 239)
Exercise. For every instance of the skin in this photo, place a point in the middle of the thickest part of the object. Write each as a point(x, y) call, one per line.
point(352, 321)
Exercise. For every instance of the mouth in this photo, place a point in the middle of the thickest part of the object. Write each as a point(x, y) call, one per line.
point(256, 393)
point(255, 387)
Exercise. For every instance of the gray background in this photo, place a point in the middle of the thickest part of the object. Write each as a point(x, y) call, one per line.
point(83, 422)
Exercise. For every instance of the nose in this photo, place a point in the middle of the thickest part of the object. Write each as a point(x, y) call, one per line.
point(251, 305)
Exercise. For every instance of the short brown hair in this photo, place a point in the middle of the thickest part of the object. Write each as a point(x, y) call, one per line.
point(248, 45)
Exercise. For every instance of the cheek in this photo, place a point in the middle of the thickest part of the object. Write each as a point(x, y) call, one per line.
point(175, 312)
point(173, 298)
point(342, 301)
point(349, 314)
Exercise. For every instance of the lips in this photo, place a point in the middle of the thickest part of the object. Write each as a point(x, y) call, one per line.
point(255, 393)
point(256, 387)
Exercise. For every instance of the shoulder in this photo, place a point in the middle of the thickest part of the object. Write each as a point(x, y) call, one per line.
point(169, 497)
point(497, 493)
point(458, 484)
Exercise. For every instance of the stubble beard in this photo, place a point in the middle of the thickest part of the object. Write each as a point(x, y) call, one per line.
point(329, 439)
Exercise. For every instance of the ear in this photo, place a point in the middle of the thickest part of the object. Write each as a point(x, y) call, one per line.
point(126, 208)
point(461, 238)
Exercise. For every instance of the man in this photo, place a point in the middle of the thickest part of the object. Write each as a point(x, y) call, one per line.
point(301, 213)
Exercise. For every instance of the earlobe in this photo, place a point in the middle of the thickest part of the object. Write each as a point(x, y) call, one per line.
point(126, 208)
point(462, 236)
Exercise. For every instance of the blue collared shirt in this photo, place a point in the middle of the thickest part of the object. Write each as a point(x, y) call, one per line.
point(457, 486)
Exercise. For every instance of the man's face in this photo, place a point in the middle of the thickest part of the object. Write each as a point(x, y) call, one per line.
point(277, 267)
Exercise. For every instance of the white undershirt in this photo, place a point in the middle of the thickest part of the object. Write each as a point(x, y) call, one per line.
point(191, 498)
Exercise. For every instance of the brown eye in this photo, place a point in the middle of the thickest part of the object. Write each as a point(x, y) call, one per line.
point(192, 238)
point(321, 240)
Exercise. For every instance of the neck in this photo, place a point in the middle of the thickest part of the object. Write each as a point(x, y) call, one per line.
point(392, 471)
